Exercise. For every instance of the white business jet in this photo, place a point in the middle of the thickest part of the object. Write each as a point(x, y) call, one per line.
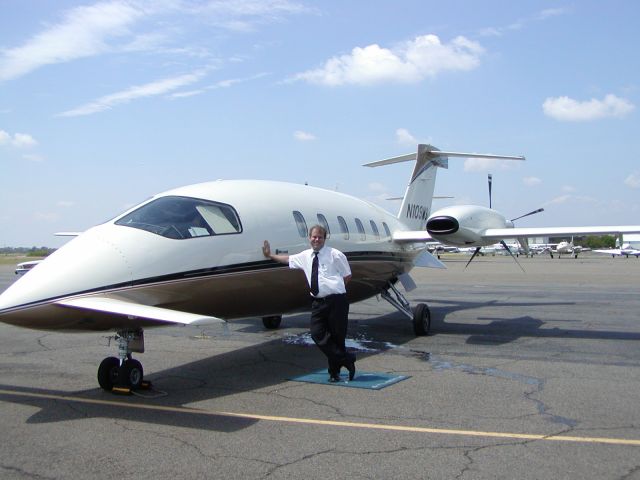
point(193, 256)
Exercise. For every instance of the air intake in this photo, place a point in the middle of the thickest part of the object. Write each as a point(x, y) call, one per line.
point(442, 225)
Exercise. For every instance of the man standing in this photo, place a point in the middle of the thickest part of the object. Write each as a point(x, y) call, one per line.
point(328, 273)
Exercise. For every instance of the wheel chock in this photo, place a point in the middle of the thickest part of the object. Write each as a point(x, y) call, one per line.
point(121, 390)
point(145, 385)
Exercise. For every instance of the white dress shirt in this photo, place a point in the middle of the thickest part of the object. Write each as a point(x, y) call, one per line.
point(332, 268)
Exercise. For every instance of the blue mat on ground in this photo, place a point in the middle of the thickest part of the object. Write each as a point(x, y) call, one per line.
point(370, 380)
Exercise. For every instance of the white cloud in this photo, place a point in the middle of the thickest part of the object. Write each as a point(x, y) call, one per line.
point(425, 56)
point(109, 26)
point(244, 15)
point(570, 110)
point(30, 157)
point(82, 33)
point(158, 87)
point(18, 140)
point(523, 22)
point(531, 181)
point(571, 199)
point(486, 164)
point(24, 140)
point(551, 12)
point(303, 136)
point(633, 180)
point(403, 137)
point(65, 203)
point(221, 84)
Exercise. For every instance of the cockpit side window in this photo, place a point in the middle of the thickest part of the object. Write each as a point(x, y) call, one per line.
point(184, 217)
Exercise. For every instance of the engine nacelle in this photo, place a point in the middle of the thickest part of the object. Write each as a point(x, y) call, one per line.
point(464, 225)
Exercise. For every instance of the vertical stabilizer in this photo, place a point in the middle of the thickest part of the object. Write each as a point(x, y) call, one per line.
point(416, 204)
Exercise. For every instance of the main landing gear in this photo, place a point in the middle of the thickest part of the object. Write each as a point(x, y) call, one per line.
point(420, 315)
point(124, 374)
point(272, 322)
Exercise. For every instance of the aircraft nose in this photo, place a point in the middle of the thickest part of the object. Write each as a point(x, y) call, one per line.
point(86, 263)
point(442, 225)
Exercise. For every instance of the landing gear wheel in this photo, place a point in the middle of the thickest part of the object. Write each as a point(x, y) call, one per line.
point(108, 373)
point(421, 319)
point(132, 374)
point(272, 322)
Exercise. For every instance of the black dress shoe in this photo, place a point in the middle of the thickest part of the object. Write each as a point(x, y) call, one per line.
point(351, 366)
point(334, 378)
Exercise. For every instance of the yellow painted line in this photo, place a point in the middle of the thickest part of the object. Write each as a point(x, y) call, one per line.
point(332, 423)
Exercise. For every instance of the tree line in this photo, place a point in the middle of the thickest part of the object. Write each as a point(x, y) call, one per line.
point(26, 251)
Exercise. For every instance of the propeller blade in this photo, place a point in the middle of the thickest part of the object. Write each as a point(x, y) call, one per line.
point(490, 179)
point(503, 243)
point(527, 214)
point(472, 256)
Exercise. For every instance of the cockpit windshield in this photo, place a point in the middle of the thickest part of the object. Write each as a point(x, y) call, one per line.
point(183, 217)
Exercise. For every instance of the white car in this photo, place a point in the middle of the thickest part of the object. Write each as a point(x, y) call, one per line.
point(24, 267)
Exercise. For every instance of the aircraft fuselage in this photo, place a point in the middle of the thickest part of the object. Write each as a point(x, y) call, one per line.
point(163, 254)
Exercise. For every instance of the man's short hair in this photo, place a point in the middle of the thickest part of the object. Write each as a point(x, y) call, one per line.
point(320, 228)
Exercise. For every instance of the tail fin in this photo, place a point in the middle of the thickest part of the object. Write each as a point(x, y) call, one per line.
point(416, 203)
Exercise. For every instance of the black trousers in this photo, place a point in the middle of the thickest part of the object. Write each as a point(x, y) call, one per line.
point(329, 319)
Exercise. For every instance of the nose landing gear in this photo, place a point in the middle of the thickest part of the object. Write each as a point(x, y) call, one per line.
point(124, 374)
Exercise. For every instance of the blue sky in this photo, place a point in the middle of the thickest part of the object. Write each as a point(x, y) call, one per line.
point(104, 104)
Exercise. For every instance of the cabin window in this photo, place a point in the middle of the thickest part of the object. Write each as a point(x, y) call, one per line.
point(183, 217)
point(301, 224)
point(344, 229)
point(374, 227)
point(322, 220)
point(386, 229)
point(360, 227)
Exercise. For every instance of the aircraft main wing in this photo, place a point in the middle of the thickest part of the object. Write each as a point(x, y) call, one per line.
point(501, 233)
point(130, 309)
point(619, 252)
point(412, 236)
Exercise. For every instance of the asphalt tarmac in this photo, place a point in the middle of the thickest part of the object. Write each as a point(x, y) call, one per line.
point(525, 375)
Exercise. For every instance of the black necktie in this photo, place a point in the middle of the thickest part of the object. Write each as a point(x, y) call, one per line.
point(314, 275)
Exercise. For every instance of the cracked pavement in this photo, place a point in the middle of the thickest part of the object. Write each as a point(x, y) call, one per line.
point(553, 351)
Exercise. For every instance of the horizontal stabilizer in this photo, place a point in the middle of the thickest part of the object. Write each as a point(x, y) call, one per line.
point(67, 234)
point(425, 259)
point(501, 233)
point(130, 309)
point(433, 152)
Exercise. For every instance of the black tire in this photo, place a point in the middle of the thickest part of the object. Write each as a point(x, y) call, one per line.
point(421, 319)
point(108, 373)
point(132, 374)
point(272, 322)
